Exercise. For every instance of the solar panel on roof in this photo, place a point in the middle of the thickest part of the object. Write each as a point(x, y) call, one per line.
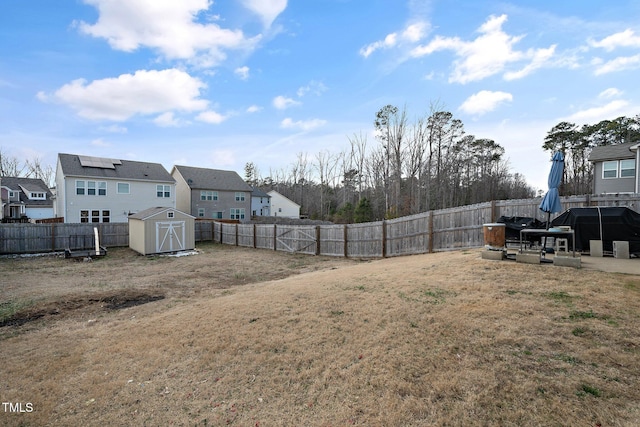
point(98, 162)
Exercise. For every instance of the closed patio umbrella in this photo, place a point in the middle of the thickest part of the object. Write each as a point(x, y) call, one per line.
point(551, 201)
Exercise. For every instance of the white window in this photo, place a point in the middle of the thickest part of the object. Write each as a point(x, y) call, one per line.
point(37, 196)
point(91, 188)
point(217, 215)
point(239, 197)
point(610, 169)
point(627, 168)
point(123, 188)
point(208, 195)
point(201, 212)
point(237, 213)
point(163, 190)
point(102, 188)
point(80, 188)
point(170, 214)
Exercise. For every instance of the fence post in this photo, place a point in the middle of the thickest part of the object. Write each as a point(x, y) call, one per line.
point(255, 243)
point(275, 236)
point(346, 246)
point(236, 234)
point(53, 237)
point(493, 211)
point(384, 238)
point(318, 248)
point(430, 248)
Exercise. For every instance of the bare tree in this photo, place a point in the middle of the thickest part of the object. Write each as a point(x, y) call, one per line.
point(9, 166)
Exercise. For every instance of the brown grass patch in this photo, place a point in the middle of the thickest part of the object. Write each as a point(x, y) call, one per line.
point(439, 339)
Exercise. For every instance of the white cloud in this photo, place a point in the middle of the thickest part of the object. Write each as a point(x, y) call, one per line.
point(539, 58)
point(145, 92)
point(412, 33)
point(613, 109)
point(314, 87)
point(618, 64)
point(211, 117)
point(267, 10)
point(242, 72)
point(484, 102)
point(303, 125)
point(611, 92)
point(167, 120)
point(488, 54)
point(626, 38)
point(254, 109)
point(282, 103)
point(168, 26)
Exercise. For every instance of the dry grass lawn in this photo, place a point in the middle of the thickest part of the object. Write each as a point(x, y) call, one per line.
point(244, 337)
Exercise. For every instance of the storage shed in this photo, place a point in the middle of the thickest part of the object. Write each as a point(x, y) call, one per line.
point(161, 230)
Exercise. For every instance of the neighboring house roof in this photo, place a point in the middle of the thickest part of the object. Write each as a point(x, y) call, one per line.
point(99, 167)
point(28, 185)
point(274, 193)
point(148, 213)
point(257, 192)
point(612, 152)
point(212, 179)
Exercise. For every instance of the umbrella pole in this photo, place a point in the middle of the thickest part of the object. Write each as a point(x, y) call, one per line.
point(544, 245)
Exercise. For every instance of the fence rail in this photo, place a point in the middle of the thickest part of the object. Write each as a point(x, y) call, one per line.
point(445, 229)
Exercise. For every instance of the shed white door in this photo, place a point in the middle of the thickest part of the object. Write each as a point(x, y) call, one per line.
point(170, 236)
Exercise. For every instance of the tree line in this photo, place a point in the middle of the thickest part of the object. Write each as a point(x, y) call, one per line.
point(576, 142)
point(412, 166)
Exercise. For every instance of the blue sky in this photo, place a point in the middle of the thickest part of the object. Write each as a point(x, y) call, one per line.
point(221, 83)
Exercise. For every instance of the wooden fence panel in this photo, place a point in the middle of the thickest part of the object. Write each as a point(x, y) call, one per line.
point(365, 240)
point(245, 235)
point(296, 238)
point(204, 231)
point(332, 240)
point(228, 234)
point(264, 236)
point(408, 235)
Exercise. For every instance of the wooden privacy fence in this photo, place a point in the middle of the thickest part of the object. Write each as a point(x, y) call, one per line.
point(444, 229)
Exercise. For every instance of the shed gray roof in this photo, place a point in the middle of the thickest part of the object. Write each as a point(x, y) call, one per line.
point(147, 213)
point(612, 152)
point(212, 179)
point(122, 169)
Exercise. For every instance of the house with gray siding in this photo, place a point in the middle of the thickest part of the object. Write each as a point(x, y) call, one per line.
point(212, 193)
point(97, 189)
point(616, 168)
point(27, 198)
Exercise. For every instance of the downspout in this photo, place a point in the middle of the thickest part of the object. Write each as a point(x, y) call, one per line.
point(636, 148)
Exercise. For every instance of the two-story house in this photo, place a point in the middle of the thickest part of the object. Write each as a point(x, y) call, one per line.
point(616, 168)
point(25, 198)
point(212, 193)
point(96, 189)
point(260, 203)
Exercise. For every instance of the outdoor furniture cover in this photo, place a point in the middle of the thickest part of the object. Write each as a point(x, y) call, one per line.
point(603, 223)
point(513, 225)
